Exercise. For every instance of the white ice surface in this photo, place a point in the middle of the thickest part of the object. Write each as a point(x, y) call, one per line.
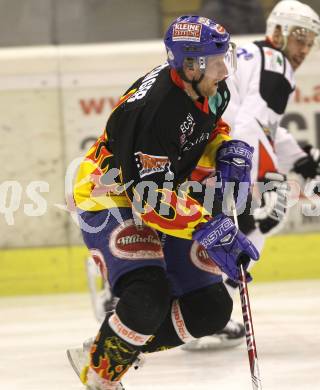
point(35, 332)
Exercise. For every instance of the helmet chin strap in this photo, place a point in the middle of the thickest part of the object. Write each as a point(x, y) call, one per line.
point(194, 83)
point(284, 45)
point(285, 35)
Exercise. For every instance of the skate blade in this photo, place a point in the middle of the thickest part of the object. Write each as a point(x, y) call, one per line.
point(75, 360)
point(212, 343)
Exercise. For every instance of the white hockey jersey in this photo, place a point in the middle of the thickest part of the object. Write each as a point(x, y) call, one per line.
point(260, 91)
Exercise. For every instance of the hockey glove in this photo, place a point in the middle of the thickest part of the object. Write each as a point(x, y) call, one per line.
point(270, 217)
point(309, 166)
point(233, 165)
point(226, 245)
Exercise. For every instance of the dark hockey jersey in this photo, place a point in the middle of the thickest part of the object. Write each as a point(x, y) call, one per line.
point(156, 138)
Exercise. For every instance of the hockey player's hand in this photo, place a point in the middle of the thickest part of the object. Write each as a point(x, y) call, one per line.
point(226, 245)
point(271, 216)
point(233, 165)
point(309, 166)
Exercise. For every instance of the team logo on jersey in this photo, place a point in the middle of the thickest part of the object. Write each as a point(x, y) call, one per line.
point(148, 164)
point(200, 258)
point(187, 32)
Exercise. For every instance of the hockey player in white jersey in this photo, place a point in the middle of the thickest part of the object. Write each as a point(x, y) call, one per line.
point(260, 91)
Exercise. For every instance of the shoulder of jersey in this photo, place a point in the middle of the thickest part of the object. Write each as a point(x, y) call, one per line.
point(153, 83)
point(248, 51)
point(275, 61)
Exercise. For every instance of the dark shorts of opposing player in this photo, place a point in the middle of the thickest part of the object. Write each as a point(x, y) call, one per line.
point(119, 245)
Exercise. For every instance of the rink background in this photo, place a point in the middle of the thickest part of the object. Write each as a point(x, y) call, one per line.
point(35, 331)
point(53, 102)
point(58, 270)
point(60, 98)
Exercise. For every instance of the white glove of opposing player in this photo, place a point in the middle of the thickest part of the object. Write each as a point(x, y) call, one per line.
point(271, 216)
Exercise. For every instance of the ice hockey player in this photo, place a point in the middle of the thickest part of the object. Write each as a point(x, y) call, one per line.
point(260, 90)
point(146, 223)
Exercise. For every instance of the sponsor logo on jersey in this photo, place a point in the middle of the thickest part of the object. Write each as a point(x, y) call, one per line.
point(146, 84)
point(148, 164)
point(200, 258)
point(131, 242)
point(187, 32)
point(186, 128)
point(190, 144)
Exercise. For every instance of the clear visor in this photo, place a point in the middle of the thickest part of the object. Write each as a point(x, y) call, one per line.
point(219, 66)
point(305, 37)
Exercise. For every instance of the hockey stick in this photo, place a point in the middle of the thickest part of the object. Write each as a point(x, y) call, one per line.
point(247, 320)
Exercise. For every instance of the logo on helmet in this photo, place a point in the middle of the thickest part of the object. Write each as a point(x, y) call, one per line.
point(187, 32)
point(220, 29)
point(205, 21)
point(170, 55)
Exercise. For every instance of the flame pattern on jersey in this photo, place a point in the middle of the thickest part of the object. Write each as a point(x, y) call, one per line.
point(182, 214)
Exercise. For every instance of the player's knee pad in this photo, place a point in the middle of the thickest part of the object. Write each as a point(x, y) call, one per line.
point(144, 299)
point(207, 310)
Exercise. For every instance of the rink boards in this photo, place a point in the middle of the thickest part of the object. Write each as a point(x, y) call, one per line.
point(62, 269)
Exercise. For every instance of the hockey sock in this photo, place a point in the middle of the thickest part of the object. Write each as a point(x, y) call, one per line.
point(166, 337)
point(196, 314)
point(111, 355)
